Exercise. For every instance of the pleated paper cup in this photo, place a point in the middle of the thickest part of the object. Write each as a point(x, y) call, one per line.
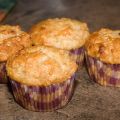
point(103, 73)
point(3, 73)
point(43, 98)
point(78, 55)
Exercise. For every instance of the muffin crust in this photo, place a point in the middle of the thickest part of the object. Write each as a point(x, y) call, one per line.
point(12, 39)
point(105, 45)
point(40, 65)
point(61, 33)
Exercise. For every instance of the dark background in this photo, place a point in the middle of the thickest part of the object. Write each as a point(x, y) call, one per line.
point(90, 100)
point(97, 13)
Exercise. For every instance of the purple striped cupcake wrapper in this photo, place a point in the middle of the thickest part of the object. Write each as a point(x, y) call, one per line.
point(3, 73)
point(78, 55)
point(43, 98)
point(103, 73)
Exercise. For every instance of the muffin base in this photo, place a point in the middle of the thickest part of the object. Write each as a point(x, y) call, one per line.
point(43, 98)
point(78, 55)
point(3, 73)
point(103, 73)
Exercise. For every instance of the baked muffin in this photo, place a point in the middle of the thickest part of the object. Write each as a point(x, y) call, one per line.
point(12, 39)
point(103, 57)
point(42, 78)
point(62, 33)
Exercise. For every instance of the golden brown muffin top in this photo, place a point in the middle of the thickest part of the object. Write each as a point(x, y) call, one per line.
point(12, 39)
point(61, 33)
point(40, 65)
point(105, 45)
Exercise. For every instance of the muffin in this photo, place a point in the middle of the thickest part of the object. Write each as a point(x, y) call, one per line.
point(12, 39)
point(62, 33)
point(42, 78)
point(103, 57)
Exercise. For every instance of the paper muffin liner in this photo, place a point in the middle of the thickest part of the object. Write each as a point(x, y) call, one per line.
point(103, 73)
point(3, 73)
point(43, 98)
point(78, 55)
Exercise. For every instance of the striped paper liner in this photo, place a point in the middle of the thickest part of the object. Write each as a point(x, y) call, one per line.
point(78, 55)
point(103, 73)
point(43, 98)
point(3, 73)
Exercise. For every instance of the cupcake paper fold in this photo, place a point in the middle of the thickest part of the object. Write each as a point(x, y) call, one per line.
point(103, 73)
point(43, 98)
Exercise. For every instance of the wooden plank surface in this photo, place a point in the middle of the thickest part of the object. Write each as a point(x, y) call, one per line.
point(90, 100)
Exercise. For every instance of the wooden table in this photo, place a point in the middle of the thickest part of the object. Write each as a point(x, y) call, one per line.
point(90, 100)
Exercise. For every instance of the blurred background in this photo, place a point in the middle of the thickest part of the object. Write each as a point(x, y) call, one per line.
point(97, 13)
point(90, 102)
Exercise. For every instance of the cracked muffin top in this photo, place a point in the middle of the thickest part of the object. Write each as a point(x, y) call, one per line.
point(12, 39)
point(105, 45)
point(63, 33)
point(40, 65)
